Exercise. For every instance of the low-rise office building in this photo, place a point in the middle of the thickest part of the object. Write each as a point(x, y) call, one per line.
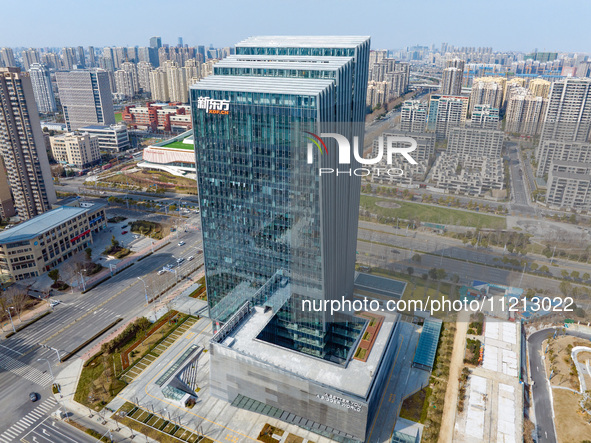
point(37, 245)
point(112, 138)
point(76, 149)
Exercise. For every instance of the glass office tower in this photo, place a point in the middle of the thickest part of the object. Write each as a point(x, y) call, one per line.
point(274, 231)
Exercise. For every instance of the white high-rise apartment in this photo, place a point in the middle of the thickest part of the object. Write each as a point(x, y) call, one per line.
point(413, 116)
point(80, 150)
point(86, 98)
point(159, 85)
point(178, 90)
point(124, 84)
point(22, 145)
point(131, 68)
point(69, 59)
point(143, 73)
point(525, 112)
point(30, 56)
point(42, 88)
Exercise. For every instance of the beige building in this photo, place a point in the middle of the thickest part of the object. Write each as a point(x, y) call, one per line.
point(6, 204)
point(487, 91)
point(78, 149)
point(539, 87)
point(376, 94)
point(22, 146)
point(159, 85)
point(39, 244)
point(525, 112)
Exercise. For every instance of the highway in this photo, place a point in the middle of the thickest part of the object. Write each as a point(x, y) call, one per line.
point(78, 318)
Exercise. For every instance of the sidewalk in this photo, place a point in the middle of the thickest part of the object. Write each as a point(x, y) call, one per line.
point(68, 380)
point(25, 317)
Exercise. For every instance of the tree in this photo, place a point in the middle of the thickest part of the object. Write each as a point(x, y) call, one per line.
point(410, 270)
point(114, 242)
point(544, 268)
point(564, 273)
point(575, 274)
point(565, 287)
point(54, 274)
point(88, 253)
point(586, 276)
point(455, 278)
point(441, 274)
point(433, 273)
point(416, 258)
point(533, 266)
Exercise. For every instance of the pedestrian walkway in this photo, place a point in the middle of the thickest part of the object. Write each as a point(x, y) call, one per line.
point(28, 421)
point(24, 370)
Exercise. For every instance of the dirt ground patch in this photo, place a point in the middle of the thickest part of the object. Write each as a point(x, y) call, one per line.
point(388, 204)
point(571, 425)
point(560, 361)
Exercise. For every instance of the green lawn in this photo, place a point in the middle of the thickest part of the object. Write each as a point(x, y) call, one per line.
point(179, 145)
point(118, 117)
point(433, 214)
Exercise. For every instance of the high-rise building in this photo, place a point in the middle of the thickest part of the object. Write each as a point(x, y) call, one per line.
point(78, 149)
point(42, 88)
point(124, 84)
point(81, 57)
point(445, 112)
point(143, 54)
point(276, 234)
point(159, 85)
point(178, 91)
point(155, 42)
point(525, 112)
point(487, 91)
point(69, 60)
point(131, 68)
point(569, 185)
point(453, 75)
point(143, 74)
point(22, 145)
point(485, 117)
point(91, 57)
point(51, 60)
point(475, 142)
point(86, 98)
point(413, 117)
point(7, 209)
point(30, 56)
point(7, 57)
point(539, 87)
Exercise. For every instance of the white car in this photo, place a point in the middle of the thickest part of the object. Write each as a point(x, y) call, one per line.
point(181, 243)
point(53, 303)
point(190, 258)
point(161, 271)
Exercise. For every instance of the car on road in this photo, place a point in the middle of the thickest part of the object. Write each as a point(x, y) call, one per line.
point(180, 260)
point(124, 226)
point(33, 396)
point(124, 232)
point(181, 243)
point(161, 271)
point(191, 258)
point(53, 303)
point(136, 236)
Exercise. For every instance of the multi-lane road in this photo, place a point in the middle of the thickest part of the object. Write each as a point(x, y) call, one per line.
point(25, 365)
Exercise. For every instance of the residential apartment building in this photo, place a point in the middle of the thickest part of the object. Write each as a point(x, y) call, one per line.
point(553, 150)
point(124, 84)
point(112, 138)
point(569, 185)
point(77, 149)
point(86, 98)
point(475, 142)
point(22, 145)
point(487, 91)
point(446, 112)
point(539, 87)
point(413, 116)
point(41, 243)
point(7, 208)
point(452, 78)
point(29, 57)
point(377, 94)
point(394, 74)
point(143, 73)
point(525, 112)
point(7, 57)
point(42, 88)
point(485, 117)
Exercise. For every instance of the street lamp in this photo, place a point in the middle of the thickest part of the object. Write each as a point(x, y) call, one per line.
point(82, 278)
point(145, 289)
point(10, 316)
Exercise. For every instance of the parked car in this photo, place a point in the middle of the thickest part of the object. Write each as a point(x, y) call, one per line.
point(124, 232)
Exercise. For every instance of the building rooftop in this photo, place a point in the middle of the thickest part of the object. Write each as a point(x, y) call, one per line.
point(101, 127)
point(356, 378)
point(42, 223)
point(262, 84)
point(309, 63)
point(300, 41)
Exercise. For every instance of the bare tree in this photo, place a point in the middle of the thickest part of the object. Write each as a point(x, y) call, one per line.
point(17, 298)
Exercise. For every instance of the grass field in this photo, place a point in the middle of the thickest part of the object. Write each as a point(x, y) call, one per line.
point(118, 117)
point(179, 145)
point(433, 214)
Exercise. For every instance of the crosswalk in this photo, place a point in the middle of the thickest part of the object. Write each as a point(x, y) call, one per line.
point(24, 370)
point(28, 421)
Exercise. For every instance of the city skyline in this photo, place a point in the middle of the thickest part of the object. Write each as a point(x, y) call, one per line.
point(476, 26)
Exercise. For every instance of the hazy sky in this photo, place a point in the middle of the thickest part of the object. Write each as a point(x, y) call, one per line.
point(558, 25)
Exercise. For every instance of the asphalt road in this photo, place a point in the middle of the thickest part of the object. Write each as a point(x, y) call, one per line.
point(75, 320)
point(541, 389)
point(53, 431)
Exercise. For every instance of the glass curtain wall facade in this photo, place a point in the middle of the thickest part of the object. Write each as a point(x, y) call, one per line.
point(269, 221)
